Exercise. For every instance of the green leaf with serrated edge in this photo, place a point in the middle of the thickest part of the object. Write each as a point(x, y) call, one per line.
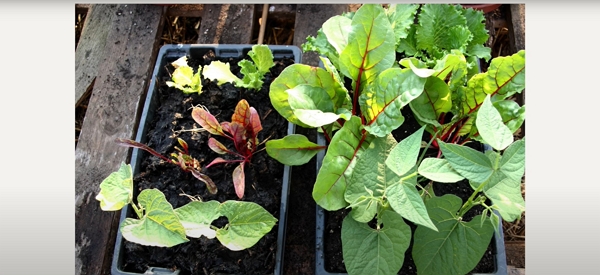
point(311, 105)
point(294, 149)
point(375, 251)
point(462, 37)
point(433, 102)
point(248, 223)
point(401, 17)
point(183, 75)
point(505, 76)
point(490, 126)
point(371, 44)
point(196, 217)
point(220, 72)
point(186, 80)
point(405, 199)
point(292, 76)
point(262, 57)
point(369, 179)
point(512, 163)
point(435, 29)
point(439, 170)
point(408, 46)
point(468, 162)
point(341, 98)
point(159, 226)
point(476, 25)
point(505, 194)
point(480, 51)
point(381, 105)
point(321, 45)
point(403, 156)
point(512, 114)
point(337, 29)
point(338, 164)
point(252, 77)
point(457, 247)
point(116, 190)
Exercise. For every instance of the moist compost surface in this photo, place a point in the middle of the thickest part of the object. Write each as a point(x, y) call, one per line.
point(264, 176)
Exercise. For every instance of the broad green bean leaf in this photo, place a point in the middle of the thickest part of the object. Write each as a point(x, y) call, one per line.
point(294, 75)
point(375, 251)
point(293, 149)
point(468, 162)
point(381, 105)
point(220, 72)
point(491, 128)
point(433, 102)
point(248, 223)
point(405, 199)
point(505, 194)
point(196, 217)
point(262, 57)
point(403, 156)
point(401, 17)
point(439, 170)
point(457, 247)
point(512, 163)
point(512, 114)
point(369, 179)
point(312, 105)
point(159, 226)
point(116, 190)
point(338, 164)
point(337, 29)
point(370, 48)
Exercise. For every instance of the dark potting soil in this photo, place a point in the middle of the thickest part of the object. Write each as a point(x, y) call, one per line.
point(333, 220)
point(264, 175)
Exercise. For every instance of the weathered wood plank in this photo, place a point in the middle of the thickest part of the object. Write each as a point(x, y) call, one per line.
point(516, 35)
point(90, 49)
point(113, 111)
point(226, 24)
point(185, 10)
point(309, 19)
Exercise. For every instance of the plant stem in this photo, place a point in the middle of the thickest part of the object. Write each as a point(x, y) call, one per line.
point(138, 212)
point(470, 202)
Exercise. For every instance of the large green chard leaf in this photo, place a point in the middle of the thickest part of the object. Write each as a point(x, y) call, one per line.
point(293, 149)
point(453, 65)
point(294, 75)
point(505, 76)
point(337, 29)
point(338, 164)
point(248, 223)
point(381, 105)
point(441, 27)
point(433, 102)
point(375, 251)
point(159, 226)
point(468, 162)
point(371, 45)
point(401, 17)
point(369, 179)
point(341, 98)
point(312, 105)
point(403, 156)
point(439, 170)
point(491, 127)
point(457, 247)
point(197, 216)
point(512, 114)
point(116, 190)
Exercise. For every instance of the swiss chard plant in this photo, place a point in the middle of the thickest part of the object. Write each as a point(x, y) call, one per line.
point(157, 223)
point(242, 130)
point(185, 79)
point(375, 63)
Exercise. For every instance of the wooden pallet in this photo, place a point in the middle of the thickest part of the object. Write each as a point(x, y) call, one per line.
point(114, 61)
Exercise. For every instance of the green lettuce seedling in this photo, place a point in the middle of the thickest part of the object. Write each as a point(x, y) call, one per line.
point(184, 77)
point(376, 62)
point(253, 71)
point(159, 224)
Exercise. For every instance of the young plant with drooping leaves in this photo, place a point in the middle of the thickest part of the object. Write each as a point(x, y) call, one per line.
point(159, 224)
point(182, 159)
point(376, 62)
point(242, 130)
point(185, 79)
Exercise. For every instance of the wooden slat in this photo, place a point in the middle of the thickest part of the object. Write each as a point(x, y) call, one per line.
point(185, 10)
point(516, 34)
point(90, 49)
point(113, 111)
point(226, 24)
point(309, 19)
